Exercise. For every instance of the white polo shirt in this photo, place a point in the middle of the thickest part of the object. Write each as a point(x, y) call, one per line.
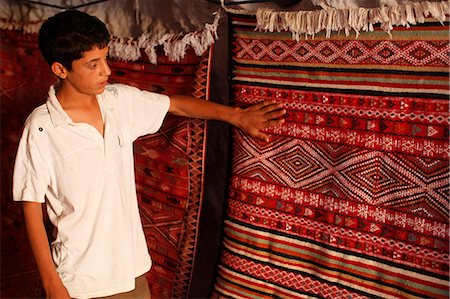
point(89, 183)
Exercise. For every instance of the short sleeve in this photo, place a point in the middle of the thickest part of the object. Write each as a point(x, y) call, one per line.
point(30, 178)
point(147, 109)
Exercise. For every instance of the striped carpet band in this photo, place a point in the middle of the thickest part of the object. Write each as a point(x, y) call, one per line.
point(287, 257)
point(415, 64)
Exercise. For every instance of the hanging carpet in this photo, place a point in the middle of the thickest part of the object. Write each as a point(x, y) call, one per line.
point(350, 198)
point(169, 165)
point(169, 170)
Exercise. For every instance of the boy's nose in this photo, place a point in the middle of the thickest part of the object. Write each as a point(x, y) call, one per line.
point(106, 71)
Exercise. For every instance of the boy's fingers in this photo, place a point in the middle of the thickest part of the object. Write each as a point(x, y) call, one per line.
point(272, 107)
point(262, 104)
point(275, 122)
point(265, 105)
point(262, 137)
point(276, 114)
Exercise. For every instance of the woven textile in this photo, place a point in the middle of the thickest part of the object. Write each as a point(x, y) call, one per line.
point(169, 165)
point(350, 198)
point(169, 174)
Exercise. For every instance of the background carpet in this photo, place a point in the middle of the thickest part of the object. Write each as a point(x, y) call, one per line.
point(350, 198)
point(169, 171)
point(169, 165)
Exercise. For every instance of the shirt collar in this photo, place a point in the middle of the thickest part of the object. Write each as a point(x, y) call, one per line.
point(57, 113)
point(104, 101)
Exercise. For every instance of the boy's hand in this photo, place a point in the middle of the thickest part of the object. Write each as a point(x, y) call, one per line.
point(259, 116)
point(57, 292)
point(37, 235)
point(252, 119)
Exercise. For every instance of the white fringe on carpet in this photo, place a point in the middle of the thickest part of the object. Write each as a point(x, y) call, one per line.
point(28, 27)
point(309, 23)
point(129, 49)
point(174, 44)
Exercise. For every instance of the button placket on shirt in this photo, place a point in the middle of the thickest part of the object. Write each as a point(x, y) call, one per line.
point(109, 133)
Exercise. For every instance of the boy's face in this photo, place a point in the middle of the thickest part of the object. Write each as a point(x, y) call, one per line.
point(89, 74)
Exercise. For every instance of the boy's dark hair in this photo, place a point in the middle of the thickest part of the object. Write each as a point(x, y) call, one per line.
point(67, 35)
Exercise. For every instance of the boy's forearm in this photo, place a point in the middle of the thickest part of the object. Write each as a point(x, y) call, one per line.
point(191, 107)
point(40, 248)
point(251, 120)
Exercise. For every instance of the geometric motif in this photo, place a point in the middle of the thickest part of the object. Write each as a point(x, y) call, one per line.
point(420, 125)
point(196, 155)
point(169, 177)
point(388, 180)
point(380, 52)
point(350, 196)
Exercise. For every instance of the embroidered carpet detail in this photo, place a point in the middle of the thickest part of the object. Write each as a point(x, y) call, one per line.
point(350, 197)
point(169, 171)
point(376, 65)
point(196, 155)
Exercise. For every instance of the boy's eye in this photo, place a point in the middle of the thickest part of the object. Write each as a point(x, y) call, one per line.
point(92, 65)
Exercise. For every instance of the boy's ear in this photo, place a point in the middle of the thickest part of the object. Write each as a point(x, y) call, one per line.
point(59, 70)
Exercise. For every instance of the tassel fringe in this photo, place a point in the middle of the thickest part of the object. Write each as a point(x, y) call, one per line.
point(174, 44)
point(309, 23)
point(25, 27)
point(129, 49)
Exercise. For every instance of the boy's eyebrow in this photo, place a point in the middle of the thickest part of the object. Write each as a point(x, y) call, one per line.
point(95, 59)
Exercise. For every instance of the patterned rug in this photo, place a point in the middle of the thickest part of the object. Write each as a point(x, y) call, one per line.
point(350, 198)
point(169, 165)
point(169, 174)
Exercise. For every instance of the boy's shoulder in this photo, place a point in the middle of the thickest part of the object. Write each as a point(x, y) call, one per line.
point(112, 90)
point(39, 120)
point(119, 89)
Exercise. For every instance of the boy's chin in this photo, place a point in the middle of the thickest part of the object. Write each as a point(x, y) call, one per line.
point(99, 90)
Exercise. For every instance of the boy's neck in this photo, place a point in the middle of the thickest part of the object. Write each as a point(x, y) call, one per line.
point(69, 97)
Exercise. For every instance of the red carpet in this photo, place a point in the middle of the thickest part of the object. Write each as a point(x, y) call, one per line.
point(169, 165)
point(350, 198)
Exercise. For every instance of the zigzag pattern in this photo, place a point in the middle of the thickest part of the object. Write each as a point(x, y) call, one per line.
point(385, 52)
point(347, 172)
point(169, 172)
point(197, 130)
point(283, 277)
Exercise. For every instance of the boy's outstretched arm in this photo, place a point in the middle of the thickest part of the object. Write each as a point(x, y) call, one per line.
point(40, 248)
point(251, 120)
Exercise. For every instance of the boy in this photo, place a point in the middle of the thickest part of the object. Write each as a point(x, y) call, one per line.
point(76, 156)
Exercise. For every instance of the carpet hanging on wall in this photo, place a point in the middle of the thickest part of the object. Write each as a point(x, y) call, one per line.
point(169, 164)
point(169, 170)
point(350, 198)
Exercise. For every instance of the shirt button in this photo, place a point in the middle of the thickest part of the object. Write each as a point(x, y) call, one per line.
point(41, 129)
